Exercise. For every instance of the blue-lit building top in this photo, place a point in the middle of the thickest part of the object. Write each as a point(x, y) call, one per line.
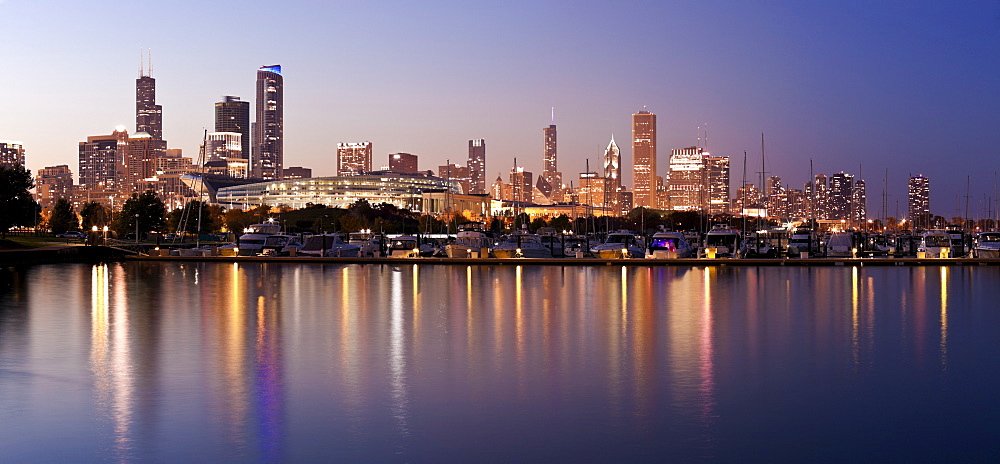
point(275, 68)
point(402, 190)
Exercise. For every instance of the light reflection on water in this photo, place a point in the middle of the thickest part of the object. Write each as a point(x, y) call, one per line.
point(319, 362)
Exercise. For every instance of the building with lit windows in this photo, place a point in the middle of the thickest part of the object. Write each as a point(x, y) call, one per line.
point(403, 162)
point(11, 153)
point(354, 158)
point(550, 168)
point(521, 186)
point(53, 183)
point(687, 179)
point(613, 177)
point(399, 189)
point(477, 166)
point(840, 197)
point(268, 129)
point(592, 189)
point(919, 194)
point(859, 201)
point(717, 184)
point(148, 115)
point(102, 159)
point(456, 172)
point(233, 116)
point(644, 159)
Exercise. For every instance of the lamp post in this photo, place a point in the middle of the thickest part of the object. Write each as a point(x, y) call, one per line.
point(105, 233)
point(93, 235)
point(136, 228)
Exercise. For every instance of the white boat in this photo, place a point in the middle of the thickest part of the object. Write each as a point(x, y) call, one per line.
point(724, 240)
point(935, 244)
point(252, 240)
point(802, 240)
point(280, 245)
point(573, 244)
point(669, 245)
point(522, 245)
point(329, 245)
point(619, 245)
point(368, 241)
point(470, 240)
point(404, 246)
point(839, 245)
point(987, 245)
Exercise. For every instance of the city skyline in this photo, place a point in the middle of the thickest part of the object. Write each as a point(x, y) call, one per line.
point(818, 80)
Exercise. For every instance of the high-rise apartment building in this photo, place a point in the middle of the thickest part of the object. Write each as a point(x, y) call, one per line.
point(717, 184)
point(354, 158)
point(456, 172)
point(687, 186)
point(859, 202)
point(148, 115)
point(840, 197)
point(102, 161)
point(592, 190)
point(919, 194)
point(11, 153)
point(141, 160)
point(550, 168)
point(53, 183)
point(520, 182)
point(644, 159)
point(477, 166)
point(233, 115)
point(403, 162)
point(613, 177)
point(224, 151)
point(268, 129)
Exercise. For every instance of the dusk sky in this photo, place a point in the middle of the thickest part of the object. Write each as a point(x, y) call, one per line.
point(912, 87)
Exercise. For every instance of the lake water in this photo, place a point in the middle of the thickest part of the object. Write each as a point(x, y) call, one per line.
point(210, 362)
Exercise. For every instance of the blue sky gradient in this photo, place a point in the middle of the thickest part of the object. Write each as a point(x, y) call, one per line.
point(912, 87)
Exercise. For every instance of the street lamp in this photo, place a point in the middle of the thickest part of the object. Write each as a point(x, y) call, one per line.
point(94, 234)
point(136, 228)
point(105, 233)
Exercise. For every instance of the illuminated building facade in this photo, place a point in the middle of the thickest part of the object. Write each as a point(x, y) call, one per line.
point(268, 129)
point(717, 184)
point(233, 116)
point(11, 153)
point(456, 172)
point(102, 159)
point(859, 202)
point(919, 194)
point(354, 158)
point(592, 189)
point(403, 162)
point(53, 183)
point(687, 179)
point(613, 177)
point(148, 115)
point(550, 168)
point(520, 182)
point(297, 172)
point(399, 189)
point(477, 166)
point(141, 160)
point(644, 159)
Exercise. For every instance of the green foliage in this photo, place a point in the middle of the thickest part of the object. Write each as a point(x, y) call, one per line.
point(63, 217)
point(17, 206)
point(536, 224)
point(187, 219)
point(561, 223)
point(236, 219)
point(145, 210)
point(94, 214)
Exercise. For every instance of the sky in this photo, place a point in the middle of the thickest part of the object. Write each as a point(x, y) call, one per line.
point(885, 89)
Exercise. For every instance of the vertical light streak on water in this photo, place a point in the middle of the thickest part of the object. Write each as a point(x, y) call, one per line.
point(519, 349)
point(855, 348)
point(707, 351)
point(415, 330)
point(397, 353)
point(468, 311)
point(121, 366)
point(232, 362)
point(870, 323)
point(944, 317)
point(100, 327)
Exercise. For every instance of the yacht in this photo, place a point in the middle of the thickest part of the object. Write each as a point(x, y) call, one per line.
point(619, 245)
point(839, 245)
point(471, 239)
point(369, 242)
point(329, 245)
point(725, 240)
point(669, 245)
point(408, 246)
point(573, 244)
point(252, 241)
point(280, 245)
point(935, 244)
point(522, 244)
point(987, 245)
point(802, 240)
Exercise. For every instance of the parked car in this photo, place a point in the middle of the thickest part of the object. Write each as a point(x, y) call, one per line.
point(72, 235)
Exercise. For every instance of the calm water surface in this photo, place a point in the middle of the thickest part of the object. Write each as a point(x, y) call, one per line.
point(209, 362)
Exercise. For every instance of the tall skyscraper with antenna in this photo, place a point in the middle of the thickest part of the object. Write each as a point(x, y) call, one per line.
point(268, 128)
point(612, 177)
point(550, 168)
point(148, 115)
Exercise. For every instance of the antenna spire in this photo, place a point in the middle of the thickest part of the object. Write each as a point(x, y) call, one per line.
point(140, 62)
point(149, 56)
point(553, 116)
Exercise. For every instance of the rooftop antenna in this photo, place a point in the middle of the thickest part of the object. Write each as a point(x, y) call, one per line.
point(553, 121)
point(149, 56)
point(140, 62)
point(706, 136)
point(699, 136)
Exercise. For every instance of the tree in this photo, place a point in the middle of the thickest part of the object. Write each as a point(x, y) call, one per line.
point(17, 207)
point(94, 214)
point(63, 217)
point(561, 223)
point(187, 219)
point(146, 210)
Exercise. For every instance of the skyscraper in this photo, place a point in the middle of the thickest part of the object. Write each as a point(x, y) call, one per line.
point(687, 179)
point(233, 115)
point(612, 177)
point(477, 166)
point(520, 181)
point(717, 184)
point(841, 196)
point(644, 159)
point(859, 202)
point(148, 115)
point(53, 183)
point(102, 159)
point(919, 190)
point(11, 153)
point(550, 169)
point(268, 128)
point(354, 158)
